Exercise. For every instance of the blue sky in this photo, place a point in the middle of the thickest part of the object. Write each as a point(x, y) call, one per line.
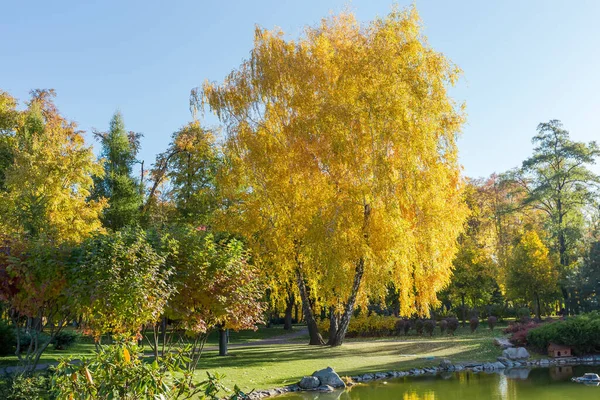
point(524, 62)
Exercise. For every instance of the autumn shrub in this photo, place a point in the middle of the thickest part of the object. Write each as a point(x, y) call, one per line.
point(419, 326)
point(518, 332)
point(443, 326)
point(452, 325)
point(7, 338)
point(474, 324)
point(582, 333)
point(492, 321)
point(429, 326)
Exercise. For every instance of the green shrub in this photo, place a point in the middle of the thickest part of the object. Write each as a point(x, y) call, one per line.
point(26, 337)
point(117, 372)
point(582, 333)
point(65, 339)
point(7, 339)
point(20, 387)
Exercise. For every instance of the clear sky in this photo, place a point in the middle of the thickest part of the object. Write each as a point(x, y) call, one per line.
point(524, 62)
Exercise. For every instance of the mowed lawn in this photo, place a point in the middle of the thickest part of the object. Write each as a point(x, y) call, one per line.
point(266, 366)
point(260, 367)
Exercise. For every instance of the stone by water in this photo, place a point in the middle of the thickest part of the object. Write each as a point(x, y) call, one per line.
point(552, 383)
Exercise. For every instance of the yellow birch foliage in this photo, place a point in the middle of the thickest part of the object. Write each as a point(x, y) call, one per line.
point(49, 180)
point(342, 149)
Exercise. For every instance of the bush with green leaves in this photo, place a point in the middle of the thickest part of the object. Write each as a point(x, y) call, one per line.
point(581, 332)
point(26, 387)
point(120, 282)
point(119, 372)
point(65, 339)
point(7, 338)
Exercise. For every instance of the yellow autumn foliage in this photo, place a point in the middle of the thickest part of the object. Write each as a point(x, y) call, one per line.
point(342, 157)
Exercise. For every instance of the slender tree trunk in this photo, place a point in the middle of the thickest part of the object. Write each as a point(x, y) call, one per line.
point(223, 342)
point(464, 310)
point(538, 309)
point(313, 329)
point(338, 339)
point(289, 307)
point(296, 313)
point(334, 319)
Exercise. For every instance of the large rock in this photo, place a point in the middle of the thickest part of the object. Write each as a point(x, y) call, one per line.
point(515, 353)
point(329, 377)
point(325, 389)
point(502, 343)
point(446, 365)
point(309, 383)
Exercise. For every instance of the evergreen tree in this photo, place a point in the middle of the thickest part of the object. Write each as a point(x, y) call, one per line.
point(123, 192)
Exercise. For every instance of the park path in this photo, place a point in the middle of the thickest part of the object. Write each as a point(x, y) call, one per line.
point(286, 338)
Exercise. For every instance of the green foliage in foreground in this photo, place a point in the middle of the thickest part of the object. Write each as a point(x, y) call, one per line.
point(117, 372)
point(581, 332)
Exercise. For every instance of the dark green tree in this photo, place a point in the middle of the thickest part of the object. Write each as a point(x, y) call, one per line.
point(558, 181)
point(122, 190)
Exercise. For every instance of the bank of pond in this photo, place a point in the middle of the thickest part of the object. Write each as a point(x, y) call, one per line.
point(550, 383)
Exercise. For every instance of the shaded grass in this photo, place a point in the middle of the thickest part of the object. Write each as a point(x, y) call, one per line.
point(85, 346)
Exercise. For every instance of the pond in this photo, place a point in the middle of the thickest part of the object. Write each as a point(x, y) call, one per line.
point(517, 384)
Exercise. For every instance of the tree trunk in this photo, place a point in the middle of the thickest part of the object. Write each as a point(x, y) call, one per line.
point(223, 340)
point(296, 314)
point(538, 308)
point(334, 319)
point(311, 323)
point(464, 310)
point(287, 321)
point(338, 339)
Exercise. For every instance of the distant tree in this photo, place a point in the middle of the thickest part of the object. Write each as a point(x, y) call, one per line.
point(558, 181)
point(118, 185)
point(189, 165)
point(532, 274)
point(474, 276)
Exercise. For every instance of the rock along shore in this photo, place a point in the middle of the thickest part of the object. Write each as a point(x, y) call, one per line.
point(512, 368)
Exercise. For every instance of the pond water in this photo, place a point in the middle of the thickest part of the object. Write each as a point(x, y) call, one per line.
point(517, 384)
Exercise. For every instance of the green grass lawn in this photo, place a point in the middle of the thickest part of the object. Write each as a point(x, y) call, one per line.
point(267, 366)
point(86, 347)
point(259, 367)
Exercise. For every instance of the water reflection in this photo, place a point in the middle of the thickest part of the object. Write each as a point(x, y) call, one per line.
point(514, 384)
